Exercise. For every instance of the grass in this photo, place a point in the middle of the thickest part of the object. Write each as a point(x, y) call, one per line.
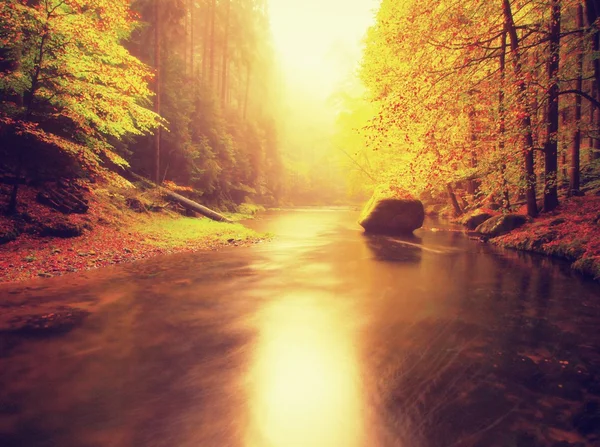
point(183, 231)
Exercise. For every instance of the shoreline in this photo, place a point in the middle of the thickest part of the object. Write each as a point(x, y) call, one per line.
point(570, 233)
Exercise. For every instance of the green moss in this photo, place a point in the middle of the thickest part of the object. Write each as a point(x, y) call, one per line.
point(168, 232)
point(245, 211)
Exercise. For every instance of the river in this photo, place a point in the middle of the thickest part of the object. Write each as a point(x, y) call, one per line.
point(323, 337)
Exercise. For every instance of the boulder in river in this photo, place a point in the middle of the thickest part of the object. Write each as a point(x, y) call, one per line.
point(389, 214)
point(502, 224)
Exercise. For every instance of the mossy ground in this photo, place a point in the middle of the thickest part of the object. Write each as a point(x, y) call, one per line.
point(169, 232)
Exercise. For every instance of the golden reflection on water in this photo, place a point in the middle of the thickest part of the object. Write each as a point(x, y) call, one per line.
point(304, 382)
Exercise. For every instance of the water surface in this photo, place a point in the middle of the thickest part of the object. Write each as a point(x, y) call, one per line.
point(323, 337)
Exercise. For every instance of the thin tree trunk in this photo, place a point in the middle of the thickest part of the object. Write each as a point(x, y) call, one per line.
point(525, 124)
point(592, 121)
point(596, 147)
point(192, 35)
point(212, 67)
point(563, 120)
point(205, 45)
point(502, 116)
point(157, 80)
point(473, 184)
point(186, 36)
point(576, 144)
point(248, 72)
point(457, 209)
point(225, 57)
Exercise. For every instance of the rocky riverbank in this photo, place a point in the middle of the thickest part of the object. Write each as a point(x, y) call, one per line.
point(571, 232)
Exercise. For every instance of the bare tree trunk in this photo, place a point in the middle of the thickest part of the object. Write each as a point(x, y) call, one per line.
point(212, 67)
point(192, 35)
point(502, 115)
point(248, 72)
point(225, 57)
point(511, 30)
point(157, 80)
point(457, 209)
point(186, 37)
point(576, 144)
point(563, 120)
point(473, 184)
point(551, 146)
point(592, 121)
point(205, 37)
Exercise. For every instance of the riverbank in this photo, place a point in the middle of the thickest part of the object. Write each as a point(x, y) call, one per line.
point(571, 232)
point(117, 228)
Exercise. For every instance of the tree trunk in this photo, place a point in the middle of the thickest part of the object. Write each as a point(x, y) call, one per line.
point(502, 116)
point(247, 90)
point(212, 67)
point(457, 209)
point(525, 122)
point(592, 121)
point(225, 57)
point(157, 80)
point(551, 146)
point(192, 35)
point(593, 12)
point(576, 144)
point(473, 185)
point(195, 206)
point(205, 37)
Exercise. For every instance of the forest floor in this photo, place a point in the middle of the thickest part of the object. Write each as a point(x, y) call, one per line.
point(571, 232)
point(111, 233)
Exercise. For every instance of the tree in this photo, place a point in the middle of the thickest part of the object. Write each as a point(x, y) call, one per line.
point(81, 89)
point(550, 148)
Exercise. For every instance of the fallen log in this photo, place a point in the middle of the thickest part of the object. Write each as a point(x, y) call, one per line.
point(194, 206)
point(183, 201)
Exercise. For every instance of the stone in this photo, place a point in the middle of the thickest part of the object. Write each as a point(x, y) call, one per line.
point(475, 220)
point(502, 224)
point(60, 228)
point(392, 215)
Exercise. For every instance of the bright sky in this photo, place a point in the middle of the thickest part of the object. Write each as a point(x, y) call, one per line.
point(318, 41)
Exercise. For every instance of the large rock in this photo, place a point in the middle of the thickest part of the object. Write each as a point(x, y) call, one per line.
point(60, 228)
point(499, 225)
point(474, 220)
point(392, 215)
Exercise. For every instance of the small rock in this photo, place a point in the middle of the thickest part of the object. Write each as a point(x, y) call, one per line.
point(45, 275)
point(128, 250)
point(82, 253)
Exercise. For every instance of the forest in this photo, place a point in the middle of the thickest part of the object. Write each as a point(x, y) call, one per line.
point(498, 100)
point(179, 91)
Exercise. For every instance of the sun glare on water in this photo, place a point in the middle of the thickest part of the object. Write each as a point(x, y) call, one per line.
point(305, 378)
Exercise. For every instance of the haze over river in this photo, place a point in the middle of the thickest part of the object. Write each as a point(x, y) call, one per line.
point(323, 337)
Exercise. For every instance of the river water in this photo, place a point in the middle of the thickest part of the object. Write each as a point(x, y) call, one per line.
point(323, 337)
